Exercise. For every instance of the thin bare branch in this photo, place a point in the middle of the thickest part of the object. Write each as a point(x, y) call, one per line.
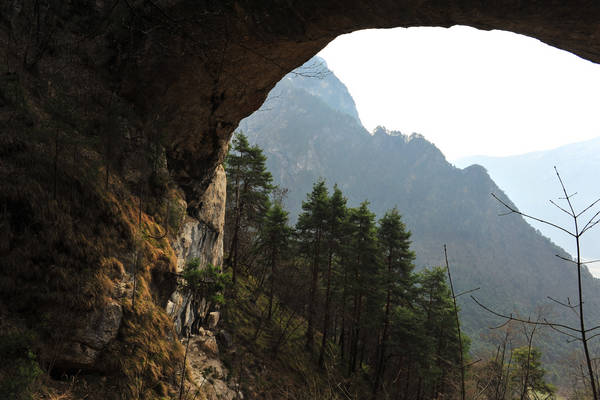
point(565, 259)
point(593, 329)
point(466, 292)
point(593, 336)
point(563, 304)
point(502, 325)
point(567, 197)
point(588, 207)
point(527, 321)
point(573, 308)
point(460, 346)
point(472, 363)
point(515, 211)
point(591, 223)
point(562, 209)
point(565, 333)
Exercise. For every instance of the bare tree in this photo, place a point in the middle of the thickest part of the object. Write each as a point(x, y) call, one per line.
point(581, 333)
point(460, 344)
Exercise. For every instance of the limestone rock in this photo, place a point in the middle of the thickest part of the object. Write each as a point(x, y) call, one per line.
point(208, 344)
point(207, 372)
point(200, 237)
point(99, 328)
point(213, 319)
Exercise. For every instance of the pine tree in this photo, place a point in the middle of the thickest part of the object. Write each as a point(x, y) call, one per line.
point(273, 244)
point(336, 218)
point(364, 273)
point(311, 226)
point(248, 187)
point(527, 376)
point(442, 355)
point(394, 242)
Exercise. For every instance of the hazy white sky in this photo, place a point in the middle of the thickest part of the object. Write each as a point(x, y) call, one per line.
point(469, 91)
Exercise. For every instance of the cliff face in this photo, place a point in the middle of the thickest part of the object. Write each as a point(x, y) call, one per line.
point(114, 118)
point(199, 237)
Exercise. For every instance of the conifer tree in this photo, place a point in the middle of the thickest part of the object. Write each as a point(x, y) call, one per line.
point(394, 242)
point(336, 218)
point(311, 226)
point(364, 273)
point(273, 244)
point(248, 187)
point(527, 376)
point(442, 354)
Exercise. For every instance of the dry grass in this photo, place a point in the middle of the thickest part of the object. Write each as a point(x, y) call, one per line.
point(63, 256)
point(291, 372)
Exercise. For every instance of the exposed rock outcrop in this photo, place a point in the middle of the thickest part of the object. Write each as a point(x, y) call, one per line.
point(200, 237)
point(99, 328)
point(207, 372)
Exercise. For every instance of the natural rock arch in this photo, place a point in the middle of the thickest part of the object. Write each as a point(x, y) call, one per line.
point(198, 67)
point(224, 60)
point(191, 69)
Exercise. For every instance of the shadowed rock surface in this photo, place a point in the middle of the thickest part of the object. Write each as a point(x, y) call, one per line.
point(110, 110)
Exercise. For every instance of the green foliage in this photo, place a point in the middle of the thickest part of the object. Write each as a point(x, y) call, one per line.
point(208, 282)
point(19, 371)
point(315, 208)
point(515, 371)
point(527, 373)
point(512, 264)
point(248, 187)
point(351, 281)
point(275, 234)
point(248, 178)
point(176, 214)
point(394, 241)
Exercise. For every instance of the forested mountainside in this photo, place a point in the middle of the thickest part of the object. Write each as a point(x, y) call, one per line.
point(530, 181)
point(516, 268)
point(338, 291)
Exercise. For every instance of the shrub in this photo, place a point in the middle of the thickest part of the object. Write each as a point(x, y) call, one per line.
point(19, 371)
point(208, 283)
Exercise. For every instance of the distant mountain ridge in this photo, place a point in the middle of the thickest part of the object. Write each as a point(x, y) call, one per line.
point(318, 80)
point(530, 181)
point(305, 137)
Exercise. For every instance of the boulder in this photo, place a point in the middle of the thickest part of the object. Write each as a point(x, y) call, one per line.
point(213, 319)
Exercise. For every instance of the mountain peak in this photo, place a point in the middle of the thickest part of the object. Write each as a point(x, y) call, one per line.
point(317, 79)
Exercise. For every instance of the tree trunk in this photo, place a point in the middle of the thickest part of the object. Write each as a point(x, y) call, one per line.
point(327, 306)
point(382, 348)
point(310, 331)
point(272, 282)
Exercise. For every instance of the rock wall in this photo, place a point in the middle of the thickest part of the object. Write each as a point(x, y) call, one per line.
point(82, 349)
point(201, 237)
